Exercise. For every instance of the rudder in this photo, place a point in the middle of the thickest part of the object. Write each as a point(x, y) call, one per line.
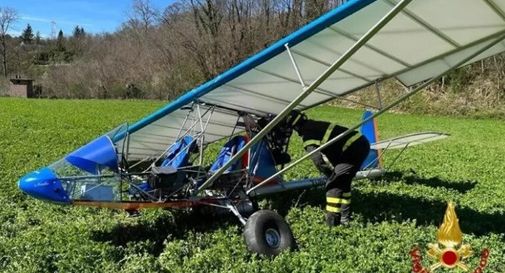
point(371, 132)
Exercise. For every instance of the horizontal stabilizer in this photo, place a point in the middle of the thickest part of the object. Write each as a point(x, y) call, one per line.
point(408, 140)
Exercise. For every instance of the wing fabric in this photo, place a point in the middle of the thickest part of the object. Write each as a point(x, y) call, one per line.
point(423, 40)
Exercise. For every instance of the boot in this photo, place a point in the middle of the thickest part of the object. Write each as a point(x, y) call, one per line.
point(333, 207)
point(346, 212)
point(333, 219)
point(346, 215)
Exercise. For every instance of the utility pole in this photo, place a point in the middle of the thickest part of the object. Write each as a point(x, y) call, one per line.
point(53, 29)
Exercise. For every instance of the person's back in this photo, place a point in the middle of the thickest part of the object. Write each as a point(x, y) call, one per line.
point(339, 161)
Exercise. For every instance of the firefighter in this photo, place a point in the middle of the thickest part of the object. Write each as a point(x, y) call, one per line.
point(339, 162)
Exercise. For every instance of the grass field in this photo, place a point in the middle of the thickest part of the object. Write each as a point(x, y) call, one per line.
point(392, 215)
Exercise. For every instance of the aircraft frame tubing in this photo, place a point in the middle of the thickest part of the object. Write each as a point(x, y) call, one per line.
point(316, 182)
point(262, 189)
point(306, 91)
point(380, 112)
point(308, 183)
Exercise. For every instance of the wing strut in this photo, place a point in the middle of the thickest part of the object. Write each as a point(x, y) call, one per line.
point(295, 66)
point(399, 100)
point(306, 91)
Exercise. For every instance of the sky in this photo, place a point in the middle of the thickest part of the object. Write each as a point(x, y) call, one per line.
point(95, 16)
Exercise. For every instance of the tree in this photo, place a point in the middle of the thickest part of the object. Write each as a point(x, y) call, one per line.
point(315, 8)
point(60, 41)
point(144, 14)
point(37, 38)
point(27, 35)
point(7, 17)
point(78, 32)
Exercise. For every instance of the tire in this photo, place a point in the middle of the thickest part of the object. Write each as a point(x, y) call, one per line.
point(267, 233)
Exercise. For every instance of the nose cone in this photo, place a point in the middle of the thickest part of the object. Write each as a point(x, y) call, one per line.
point(43, 184)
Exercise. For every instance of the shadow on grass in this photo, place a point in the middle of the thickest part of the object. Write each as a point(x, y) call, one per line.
point(376, 207)
point(163, 227)
point(434, 182)
point(379, 207)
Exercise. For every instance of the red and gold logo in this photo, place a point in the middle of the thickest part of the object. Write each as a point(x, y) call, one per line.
point(449, 251)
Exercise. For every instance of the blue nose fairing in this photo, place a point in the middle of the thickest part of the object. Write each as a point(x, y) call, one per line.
point(43, 184)
point(88, 173)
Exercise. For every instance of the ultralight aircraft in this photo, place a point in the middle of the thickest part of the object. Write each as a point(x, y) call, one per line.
point(158, 162)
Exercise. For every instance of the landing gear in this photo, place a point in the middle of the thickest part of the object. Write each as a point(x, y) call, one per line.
point(267, 233)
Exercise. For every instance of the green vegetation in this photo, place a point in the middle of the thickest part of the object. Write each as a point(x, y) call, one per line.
point(392, 215)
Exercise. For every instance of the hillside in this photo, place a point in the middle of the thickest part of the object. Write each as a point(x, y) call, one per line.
point(392, 215)
point(160, 52)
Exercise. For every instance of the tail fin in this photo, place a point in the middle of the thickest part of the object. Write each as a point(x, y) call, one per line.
point(371, 131)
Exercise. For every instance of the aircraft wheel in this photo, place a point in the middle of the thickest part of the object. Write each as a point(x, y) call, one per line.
point(267, 233)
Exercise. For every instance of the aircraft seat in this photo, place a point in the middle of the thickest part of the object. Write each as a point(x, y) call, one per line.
point(178, 155)
point(227, 152)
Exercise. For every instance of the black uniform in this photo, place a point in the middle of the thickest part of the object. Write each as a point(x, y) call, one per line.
point(339, 162)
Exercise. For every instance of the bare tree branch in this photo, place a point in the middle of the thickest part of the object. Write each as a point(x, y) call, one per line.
point(7, 17)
